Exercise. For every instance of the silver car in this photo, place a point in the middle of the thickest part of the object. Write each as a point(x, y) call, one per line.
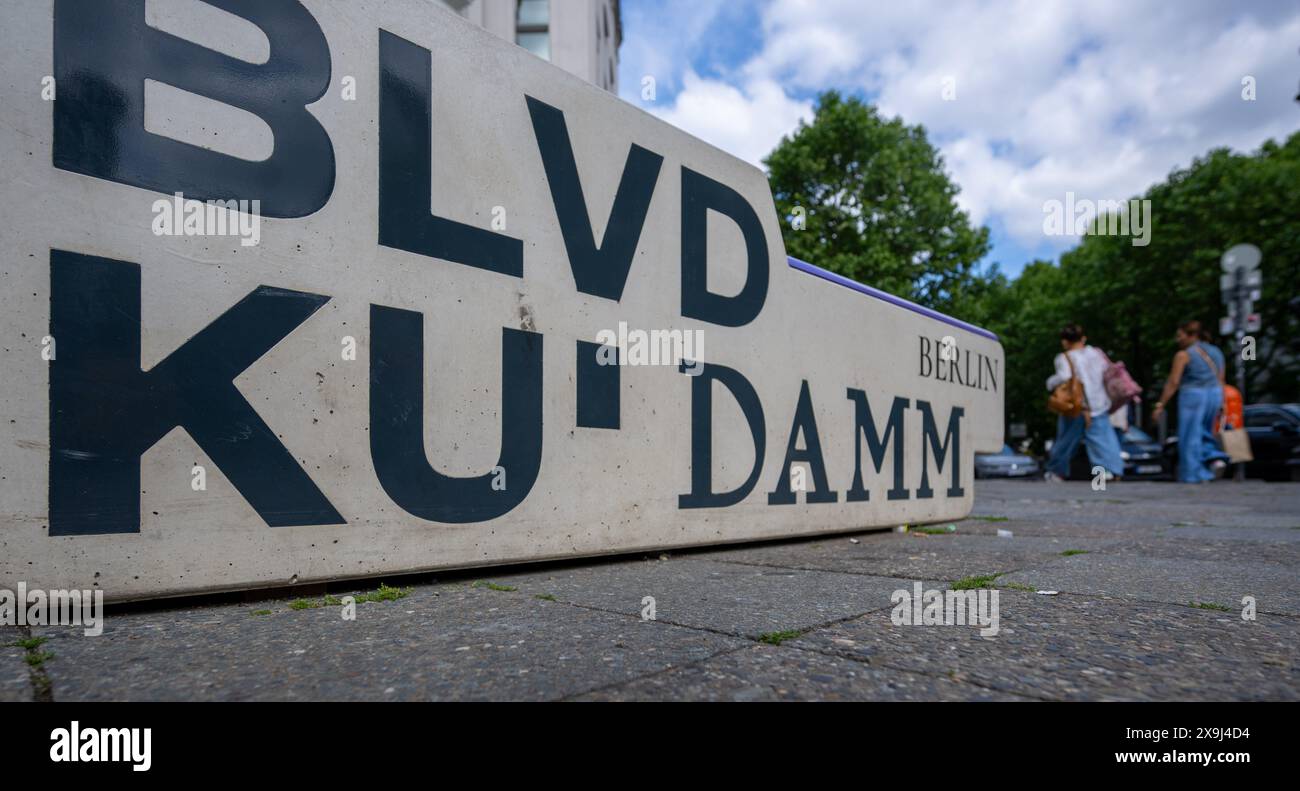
point(1006, 463)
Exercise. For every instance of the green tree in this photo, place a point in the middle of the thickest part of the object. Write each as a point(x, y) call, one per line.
point(1139, 294)
point(879, 207)
point(1026, 313)
point(1129, 299)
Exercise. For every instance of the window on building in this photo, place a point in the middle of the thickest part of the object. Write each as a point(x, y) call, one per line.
point(532, 27)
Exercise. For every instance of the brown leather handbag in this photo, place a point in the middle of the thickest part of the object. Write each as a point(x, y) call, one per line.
point(1067, 398)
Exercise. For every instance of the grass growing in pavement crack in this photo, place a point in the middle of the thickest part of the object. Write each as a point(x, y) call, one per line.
point(1203, 605)
point(776, 638)
point(977, 582)
point(334, 601)
point(38, 658)
point(1072, 552)
point(261, 612)
point(493, 586)
point(385, 593)
point(35, 657)
point(42, 687)
point(934, 531)
point(544, 596)
point(991, 518)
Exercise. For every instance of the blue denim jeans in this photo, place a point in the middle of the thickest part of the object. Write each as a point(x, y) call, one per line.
point(1197, 447)
point(1099, 438)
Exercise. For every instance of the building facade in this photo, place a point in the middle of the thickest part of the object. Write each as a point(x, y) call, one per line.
point(579, 36)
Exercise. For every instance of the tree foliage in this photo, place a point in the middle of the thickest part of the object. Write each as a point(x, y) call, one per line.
point(879, 207)
point(1130, 299)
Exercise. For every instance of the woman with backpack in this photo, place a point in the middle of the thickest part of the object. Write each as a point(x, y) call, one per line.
point(1197, 374)
point(1084, 368)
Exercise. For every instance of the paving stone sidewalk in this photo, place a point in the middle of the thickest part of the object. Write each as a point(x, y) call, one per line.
point(1150, 580)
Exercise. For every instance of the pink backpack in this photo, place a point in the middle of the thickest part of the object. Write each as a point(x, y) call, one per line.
point(1120, 387)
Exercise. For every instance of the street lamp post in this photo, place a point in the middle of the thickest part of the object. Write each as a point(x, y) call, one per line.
point(1240, 283)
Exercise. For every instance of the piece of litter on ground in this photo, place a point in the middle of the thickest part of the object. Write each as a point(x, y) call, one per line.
point(1004, 533)
point(853, 541)
point(901, 529)
point(1047, 593)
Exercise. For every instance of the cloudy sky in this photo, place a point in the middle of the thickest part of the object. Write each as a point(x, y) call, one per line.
point(1100, 98)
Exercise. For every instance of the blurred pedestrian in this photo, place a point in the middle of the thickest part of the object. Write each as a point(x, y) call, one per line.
point(1092, 426)
point(1197, 375)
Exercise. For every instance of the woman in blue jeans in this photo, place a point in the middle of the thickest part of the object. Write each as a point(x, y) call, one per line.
point(1197, 374)
point(1088, 363)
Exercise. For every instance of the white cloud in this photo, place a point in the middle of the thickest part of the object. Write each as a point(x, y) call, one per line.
point(746, 121)
point(659, 39)
point(1101, 99)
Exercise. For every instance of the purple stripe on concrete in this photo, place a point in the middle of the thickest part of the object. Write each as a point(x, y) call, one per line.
point(804, 266)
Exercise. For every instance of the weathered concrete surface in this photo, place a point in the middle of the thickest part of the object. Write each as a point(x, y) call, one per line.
point(355, 492)
point(914, 555)
point(15, 680)
point(442, 642)
point(725, 597)
point(1177, 581)
point(763, 673)
point(1089, 648)
point(1122, 626)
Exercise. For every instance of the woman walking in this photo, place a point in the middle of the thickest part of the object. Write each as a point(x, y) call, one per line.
point(1093, 428)
point(1197, 375)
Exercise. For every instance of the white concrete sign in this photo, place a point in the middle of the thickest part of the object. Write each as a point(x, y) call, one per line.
point(296, 292)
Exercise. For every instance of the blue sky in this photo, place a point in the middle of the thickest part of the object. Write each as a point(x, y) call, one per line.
point(1101, 99)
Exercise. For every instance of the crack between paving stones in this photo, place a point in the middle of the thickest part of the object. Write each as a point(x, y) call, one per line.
point(886, 665)
point(750, 642)
point(1157, 603)
point(889, 576)
point(1153, 602)
point(42, 687)
point(662, 621)
point(723, 632)
point(661, 671)
point(855, 573)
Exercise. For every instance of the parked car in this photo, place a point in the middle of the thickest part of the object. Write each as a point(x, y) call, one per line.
point(1274, 431)
point(1143, 457)
point(1274, 442)
point(1006, 463)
